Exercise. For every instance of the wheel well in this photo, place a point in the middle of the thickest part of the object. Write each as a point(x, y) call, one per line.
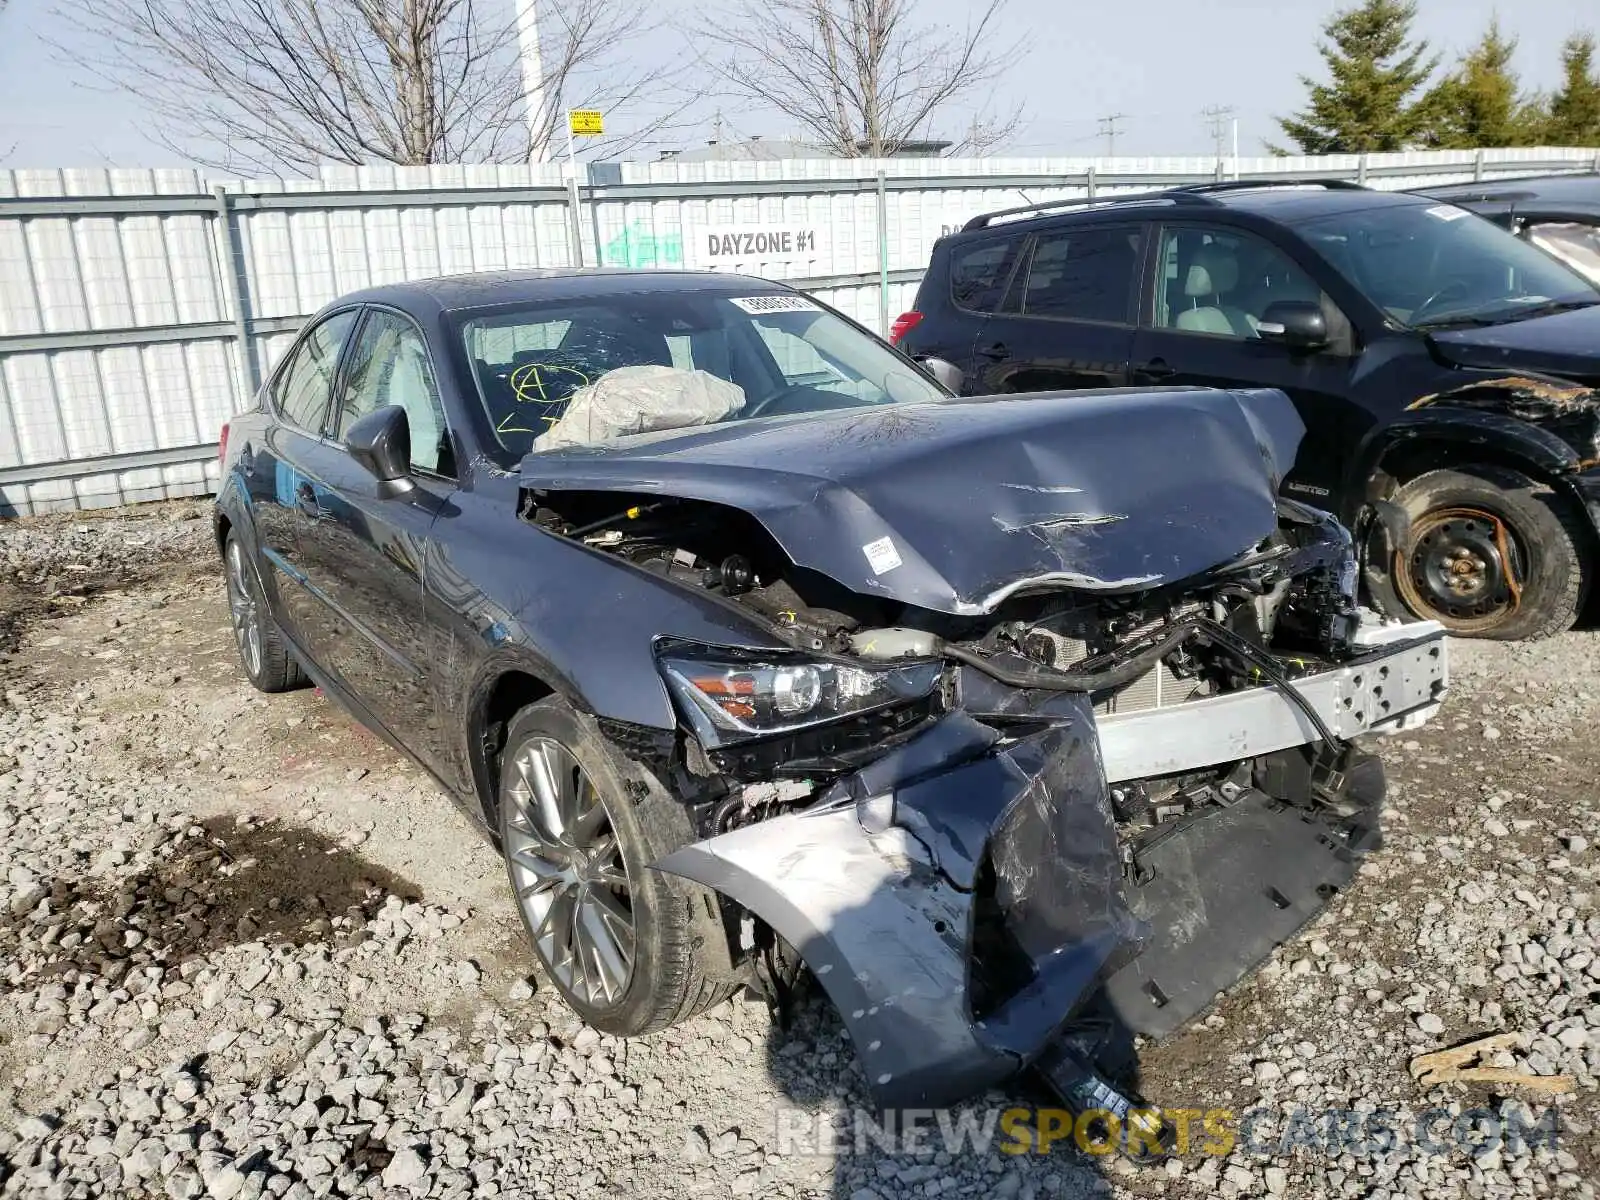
point(221, 527)
point(510, 694)
point(1404, 461)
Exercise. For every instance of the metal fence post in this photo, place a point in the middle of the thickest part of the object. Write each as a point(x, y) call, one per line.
point(1477, 166)
point(235, 279)
point(574, 217)
point(1088, 181)
point(594, 229)
point(1361, 170)
point(883, 255)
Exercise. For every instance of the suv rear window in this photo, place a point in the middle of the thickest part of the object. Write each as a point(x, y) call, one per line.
point(979, 272)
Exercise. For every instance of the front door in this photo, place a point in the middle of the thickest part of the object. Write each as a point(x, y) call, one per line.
point(363, 550)
point(1068, 321)
point(1212, 285)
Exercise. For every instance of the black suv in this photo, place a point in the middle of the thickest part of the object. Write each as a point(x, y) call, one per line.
point(1444, 369)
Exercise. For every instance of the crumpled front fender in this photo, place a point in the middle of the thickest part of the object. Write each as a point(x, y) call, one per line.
point(957, 871)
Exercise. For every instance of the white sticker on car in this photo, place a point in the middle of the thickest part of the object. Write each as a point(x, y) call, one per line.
point(1446, 212)
point(757, 305)
point(881, 555)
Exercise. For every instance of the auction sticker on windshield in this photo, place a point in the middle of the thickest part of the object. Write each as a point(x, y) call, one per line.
point(757, 305)
point(1446, 212)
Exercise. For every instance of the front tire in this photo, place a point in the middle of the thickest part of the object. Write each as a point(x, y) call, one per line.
point(630, 949)
point(1491, 554)
point(267, 660)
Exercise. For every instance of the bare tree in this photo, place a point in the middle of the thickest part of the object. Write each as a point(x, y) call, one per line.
point(862, 77)
point(291, 84)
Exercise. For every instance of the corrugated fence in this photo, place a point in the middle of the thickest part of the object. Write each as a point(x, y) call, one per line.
point(139, 309)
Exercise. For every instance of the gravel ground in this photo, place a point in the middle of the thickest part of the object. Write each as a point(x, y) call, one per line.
point(247, 950)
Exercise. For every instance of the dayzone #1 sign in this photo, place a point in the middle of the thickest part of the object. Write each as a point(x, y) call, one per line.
point(724, 245)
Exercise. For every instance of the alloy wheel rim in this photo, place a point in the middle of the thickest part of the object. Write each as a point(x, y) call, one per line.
point(1464, 568)
point(243, 608)
point(568, 873)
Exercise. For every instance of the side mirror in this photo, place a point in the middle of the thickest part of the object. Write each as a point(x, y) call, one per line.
point(381, 443)
point(1297, 324)
point(945, 373)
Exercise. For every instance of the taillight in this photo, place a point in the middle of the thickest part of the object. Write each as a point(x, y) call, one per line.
point(222, 443)
point(903, 324)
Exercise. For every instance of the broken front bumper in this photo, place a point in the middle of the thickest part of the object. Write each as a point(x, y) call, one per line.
point(963, 897)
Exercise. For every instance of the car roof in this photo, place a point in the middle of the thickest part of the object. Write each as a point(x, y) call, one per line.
point(450, 293)
point(1580, 193)
point(1287, 201)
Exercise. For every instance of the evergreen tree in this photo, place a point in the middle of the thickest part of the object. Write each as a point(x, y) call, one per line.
point(1479, 104)
point(1375, 72)
point(1573, 118)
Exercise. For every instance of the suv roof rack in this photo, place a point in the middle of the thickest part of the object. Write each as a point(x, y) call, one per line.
point(1193, 193)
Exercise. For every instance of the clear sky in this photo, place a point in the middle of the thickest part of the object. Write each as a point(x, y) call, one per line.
point(1158, 61)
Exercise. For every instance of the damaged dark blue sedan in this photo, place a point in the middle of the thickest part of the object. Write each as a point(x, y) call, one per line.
point(1021, 722)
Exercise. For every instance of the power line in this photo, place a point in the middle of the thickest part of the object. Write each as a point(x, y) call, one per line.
point(1221, 118)
point(1108, 130)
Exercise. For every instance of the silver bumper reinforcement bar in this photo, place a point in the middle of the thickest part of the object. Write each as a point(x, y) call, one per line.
point(1385, 692)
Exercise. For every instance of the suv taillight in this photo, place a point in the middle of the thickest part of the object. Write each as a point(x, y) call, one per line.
point(903, 324)
point(222, 443)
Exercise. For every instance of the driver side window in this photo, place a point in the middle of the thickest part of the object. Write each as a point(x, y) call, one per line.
point(389, 365)
point(1221, 282)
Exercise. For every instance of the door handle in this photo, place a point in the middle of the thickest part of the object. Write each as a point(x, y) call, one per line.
point(997, 351)
point(305, 499)
point(1155, 370)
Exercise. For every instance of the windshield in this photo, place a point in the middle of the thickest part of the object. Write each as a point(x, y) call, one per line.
point(781, 353)
point(1433, 266)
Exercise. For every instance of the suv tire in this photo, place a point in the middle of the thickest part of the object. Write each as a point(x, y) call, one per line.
point(1465, 522)
point(579, 826)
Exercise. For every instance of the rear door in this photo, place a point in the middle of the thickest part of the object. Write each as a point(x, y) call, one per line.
point(1067, 321)
point(977, 275)
point(281, 490)
point(1209, 287)
point(363, 548)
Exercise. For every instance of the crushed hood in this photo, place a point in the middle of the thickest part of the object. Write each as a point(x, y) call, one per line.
point(1565, 344)
point(955, 505)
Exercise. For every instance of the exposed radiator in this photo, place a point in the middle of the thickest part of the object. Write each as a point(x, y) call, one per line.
point(1158, 688)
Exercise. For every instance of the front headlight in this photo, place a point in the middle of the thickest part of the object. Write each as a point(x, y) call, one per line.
point(729, 694)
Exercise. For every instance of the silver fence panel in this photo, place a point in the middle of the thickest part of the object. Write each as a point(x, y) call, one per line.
point(139, 309)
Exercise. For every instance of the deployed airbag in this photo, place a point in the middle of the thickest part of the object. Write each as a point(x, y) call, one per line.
point(642, 399)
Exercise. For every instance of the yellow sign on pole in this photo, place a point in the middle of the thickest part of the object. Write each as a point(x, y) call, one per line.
point(586, 122)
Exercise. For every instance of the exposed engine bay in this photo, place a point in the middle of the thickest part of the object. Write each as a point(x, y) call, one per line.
point(1021, 778)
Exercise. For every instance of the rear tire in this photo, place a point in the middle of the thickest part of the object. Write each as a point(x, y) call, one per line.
point(1492, 554)
point(268, 662)
point(589, 869)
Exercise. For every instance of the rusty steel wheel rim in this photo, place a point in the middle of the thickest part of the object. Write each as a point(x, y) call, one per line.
point(1463, 568)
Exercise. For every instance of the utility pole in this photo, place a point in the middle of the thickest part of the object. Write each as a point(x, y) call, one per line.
point(1220, 116)
point(1108, 130)
point(533, 93)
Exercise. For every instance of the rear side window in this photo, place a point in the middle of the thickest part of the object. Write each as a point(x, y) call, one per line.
point(979, 272)
point(307, 381)
point(1084, 274)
